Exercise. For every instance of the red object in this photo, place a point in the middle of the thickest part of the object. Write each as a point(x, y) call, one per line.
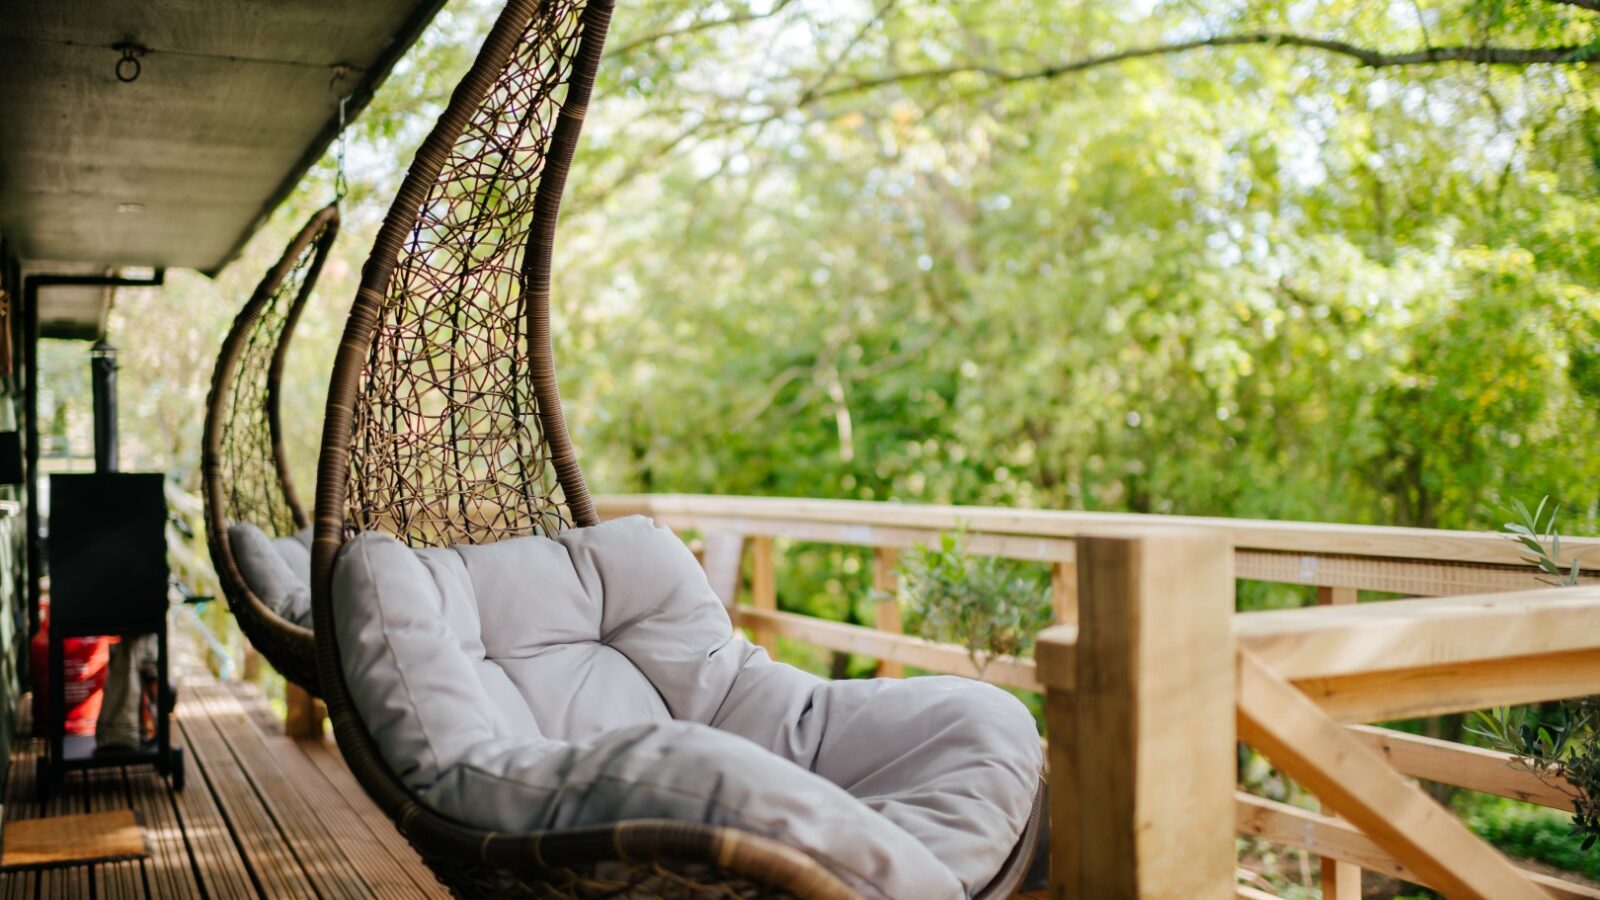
point(85, 668)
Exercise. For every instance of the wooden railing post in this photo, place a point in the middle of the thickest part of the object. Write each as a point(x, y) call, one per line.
point(886, 611)
point(1340, 880)
point(1140, 712)
point(303, 714)
point(252, 664)
point(764, 589)
point(1064, 591)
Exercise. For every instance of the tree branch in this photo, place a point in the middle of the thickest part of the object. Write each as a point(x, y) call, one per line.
point(695, 28)
point(828, 73)
point(1593, 5)
point(1364, 56)
point(1375, 59)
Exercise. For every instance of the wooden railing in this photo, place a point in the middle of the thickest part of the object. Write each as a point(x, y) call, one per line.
point(1151, 660)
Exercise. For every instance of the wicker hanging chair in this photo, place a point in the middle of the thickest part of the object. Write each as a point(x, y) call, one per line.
point(444, 426)
point(245, 475)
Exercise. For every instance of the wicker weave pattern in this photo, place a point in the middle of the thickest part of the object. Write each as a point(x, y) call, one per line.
point(448, 444)
point(255, 484)
point(654, 880)
point(245, 473)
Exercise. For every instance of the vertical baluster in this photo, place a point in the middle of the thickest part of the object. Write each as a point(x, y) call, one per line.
point(764, 589)
point(303, 713)
point(885, 580)
point(1340, 880)
point(1064, 591)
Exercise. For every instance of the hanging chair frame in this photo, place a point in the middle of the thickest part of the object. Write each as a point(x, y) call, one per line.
point(428, 436)
point(244, 469)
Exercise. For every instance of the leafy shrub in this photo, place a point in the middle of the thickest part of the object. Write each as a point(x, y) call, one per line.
point(989, 606)
point(1560, 742)
point(1529, 831)
point(1538, 535)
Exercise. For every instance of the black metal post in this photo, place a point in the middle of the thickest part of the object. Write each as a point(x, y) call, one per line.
point(30, 448)
point(103, 380)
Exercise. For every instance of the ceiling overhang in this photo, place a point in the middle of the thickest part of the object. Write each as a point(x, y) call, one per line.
point(233, 103)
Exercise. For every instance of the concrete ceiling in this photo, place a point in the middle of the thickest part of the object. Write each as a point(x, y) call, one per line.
point(233, 105)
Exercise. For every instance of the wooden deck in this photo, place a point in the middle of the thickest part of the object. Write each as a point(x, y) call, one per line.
point(263, 815)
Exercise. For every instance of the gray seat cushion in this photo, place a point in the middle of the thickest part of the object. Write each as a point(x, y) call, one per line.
point(277, 570)
point(548, 683)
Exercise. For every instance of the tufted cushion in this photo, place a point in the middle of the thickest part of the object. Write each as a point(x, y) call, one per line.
point(278, 570)
point(545, 683)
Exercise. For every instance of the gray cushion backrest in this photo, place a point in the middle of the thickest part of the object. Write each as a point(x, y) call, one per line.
point(595, 677)
point(277, 570)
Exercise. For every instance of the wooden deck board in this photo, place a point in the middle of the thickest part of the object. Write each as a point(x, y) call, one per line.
point(327, 776)
point(271, 860)
point(106, 790)
point(169, 870)
point(20, 805)
point(369, 859)
point(257, 708)
point(64, 882)
point(320, 854)
point(327, 760)
point(264, 815)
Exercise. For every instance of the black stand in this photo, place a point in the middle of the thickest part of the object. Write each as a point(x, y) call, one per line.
point(108, 576)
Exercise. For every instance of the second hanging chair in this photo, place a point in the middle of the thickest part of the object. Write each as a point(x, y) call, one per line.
point(256, 527)
point(444, 429)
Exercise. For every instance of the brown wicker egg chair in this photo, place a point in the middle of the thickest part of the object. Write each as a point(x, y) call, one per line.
point(245, 474)
point(444, 426)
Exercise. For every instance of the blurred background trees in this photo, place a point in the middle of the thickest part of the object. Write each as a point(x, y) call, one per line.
point(967, 252)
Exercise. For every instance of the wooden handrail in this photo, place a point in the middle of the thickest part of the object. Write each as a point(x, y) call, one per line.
point(1382, 661)
point(1406, 561)
point(1244, 534)
point(1330, 641)
point(912, 651)
point(1304, 675)
point(1458, 687)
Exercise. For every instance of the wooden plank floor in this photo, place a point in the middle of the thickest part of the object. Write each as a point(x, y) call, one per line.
point(263, 815)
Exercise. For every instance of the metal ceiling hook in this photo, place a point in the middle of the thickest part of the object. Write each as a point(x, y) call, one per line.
point(129, 68)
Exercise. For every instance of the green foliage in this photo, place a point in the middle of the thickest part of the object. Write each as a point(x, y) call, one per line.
point(1252, 281)
point(1582, 768)
point(1537, 533)
point(1528, 831)
point(991, 606)
point(1542, 741)
point(1558, 742)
